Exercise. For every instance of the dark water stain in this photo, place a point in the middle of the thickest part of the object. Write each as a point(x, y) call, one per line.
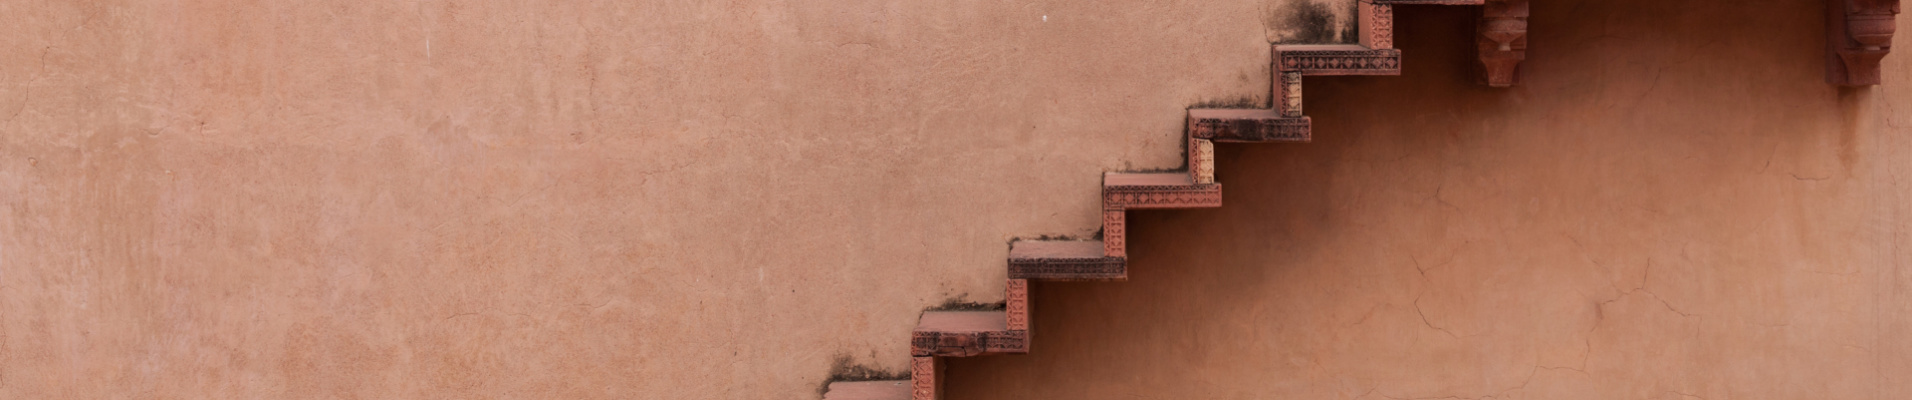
point(1238, 102)
point(846, 370)
point(1310, 22)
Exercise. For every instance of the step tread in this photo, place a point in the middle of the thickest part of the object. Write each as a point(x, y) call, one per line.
point(869, 390)
point(1234, 113)
point(966, 334)
point(1055, 249)
point(963, 321)
point(1132, 179)
point(1322, 47)
point(1157, 190)
point(1064, 260)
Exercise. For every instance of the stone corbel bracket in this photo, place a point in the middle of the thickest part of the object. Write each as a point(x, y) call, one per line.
point(1858, 36)
point(1502, 36)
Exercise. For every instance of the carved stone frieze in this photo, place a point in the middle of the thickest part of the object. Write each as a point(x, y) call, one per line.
point(1069, 269)
point(1246, 129)
point(1147, 197)
point(1337, 60)
point(968, 344)
point(1858, 36)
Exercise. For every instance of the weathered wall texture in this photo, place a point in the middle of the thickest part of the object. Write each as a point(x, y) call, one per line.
point(665, 199)
point(533, 199)
point(1672, 206)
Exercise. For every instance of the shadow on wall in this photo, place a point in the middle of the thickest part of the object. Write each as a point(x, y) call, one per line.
point(1310, 22)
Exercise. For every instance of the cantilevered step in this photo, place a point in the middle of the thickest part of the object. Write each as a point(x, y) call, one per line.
point(1064, 260)
point(1337, 59)
point(869, 390)
point(1156, 190)
point(1247, 126)
point(966, 334)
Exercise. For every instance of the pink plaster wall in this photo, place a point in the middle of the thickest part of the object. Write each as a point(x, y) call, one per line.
point(660, 199)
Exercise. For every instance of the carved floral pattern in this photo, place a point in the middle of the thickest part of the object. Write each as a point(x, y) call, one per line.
point(1377, 21)
point(1016, 304)
point(1342, 62)
point(923, 378)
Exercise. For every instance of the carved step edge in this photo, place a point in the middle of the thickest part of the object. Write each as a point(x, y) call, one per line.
point(1336, 60)
point(1069, 260)
point(966, 334)
point(1858, 36)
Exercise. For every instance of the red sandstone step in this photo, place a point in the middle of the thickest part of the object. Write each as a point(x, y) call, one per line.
point(1337, 59)
point(1061, 260)
point(966, 334)
point(1134, 191)
point(869, 390)
point(1247, 126)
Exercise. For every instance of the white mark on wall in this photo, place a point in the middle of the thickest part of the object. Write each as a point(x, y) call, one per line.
point(428, 29)
point(1045, 18)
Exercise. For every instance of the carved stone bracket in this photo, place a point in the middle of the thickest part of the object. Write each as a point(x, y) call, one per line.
point(1503, 41)
point(1858, 36)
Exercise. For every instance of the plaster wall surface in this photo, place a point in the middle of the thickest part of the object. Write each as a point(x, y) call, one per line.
point(329, 199)
point(1672, 205)
point(531, 199)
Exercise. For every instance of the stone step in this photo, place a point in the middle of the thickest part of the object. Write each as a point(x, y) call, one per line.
point(868, 390)
point(1157, 190)
point(966, 334)
point(1064, 260)
point(1247, 126)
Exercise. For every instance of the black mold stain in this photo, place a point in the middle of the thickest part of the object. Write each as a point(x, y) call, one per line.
point(962, 303)
point(845, 370)
point(1239, 102)
point(1309, 22)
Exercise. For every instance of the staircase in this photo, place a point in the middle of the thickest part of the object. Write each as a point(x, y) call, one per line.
point(941, 334)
